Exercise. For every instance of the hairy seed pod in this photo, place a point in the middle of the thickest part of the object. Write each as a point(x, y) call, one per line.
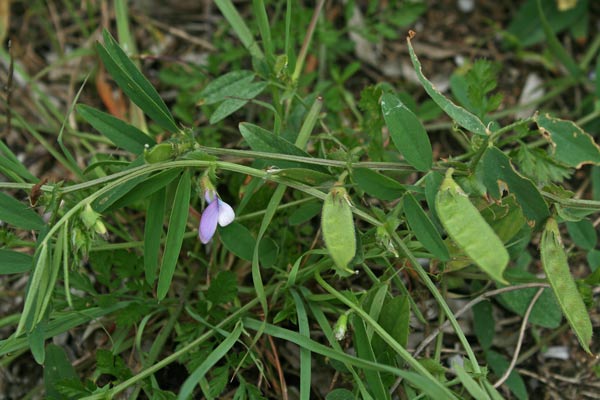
point(338, 229)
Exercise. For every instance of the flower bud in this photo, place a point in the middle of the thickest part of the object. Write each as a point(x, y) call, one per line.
point(340, 327)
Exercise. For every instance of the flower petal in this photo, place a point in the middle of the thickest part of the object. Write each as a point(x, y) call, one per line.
point(226, 213)
point(208, 222)
point(210, 195)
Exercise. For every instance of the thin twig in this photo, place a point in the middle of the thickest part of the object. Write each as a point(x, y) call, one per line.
point(470, 304)
point(284, 391)
point(513, 362)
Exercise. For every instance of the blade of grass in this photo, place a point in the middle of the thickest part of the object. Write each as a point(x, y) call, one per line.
point(305, 356)
point(240, 28)
point(262, 20)
point(153, 231)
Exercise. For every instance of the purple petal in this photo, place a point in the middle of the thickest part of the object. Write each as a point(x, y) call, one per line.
point(226, 214)
point(208, 222)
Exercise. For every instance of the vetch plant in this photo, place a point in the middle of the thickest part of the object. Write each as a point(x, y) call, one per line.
point(353, 224)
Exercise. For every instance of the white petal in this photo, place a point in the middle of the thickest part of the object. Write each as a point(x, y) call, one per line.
point(226, 213)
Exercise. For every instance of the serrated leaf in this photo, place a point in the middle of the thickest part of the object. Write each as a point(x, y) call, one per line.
point(497, 173)
point(15, 213)
point(554, 261)
point(174, 241)
point(377, 185)
point(133, 83)
point(122, 134)
point(423, 228)
point(223, 288)
point(458, 114)
point(407, 132)
point(570, 144)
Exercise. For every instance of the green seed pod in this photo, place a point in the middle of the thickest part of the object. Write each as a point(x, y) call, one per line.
point(160, 152)
point(469, 230)
point(554, 260)
point(338, 229)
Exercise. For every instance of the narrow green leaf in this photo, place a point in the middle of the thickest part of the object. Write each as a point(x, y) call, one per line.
point(469, 383)
point(239, 26)
point(570, 144)
point(424, 229)
point(429, 386)
point(305, 355)
point(37, 343)
point(240, 99)
point(304, 213)
point(153, 232)
point(304, 175)
point(133, 83)
point(177, 225)
point(499, 365)
point(146, 188)
point(407, 132)
point(122, 134)
point(469, 230)
point(260, 139)
point(33, 291)
point(12, 167)
point(337, 224)
point(219, 352)
point(15, 213)
point(365, 351)
point(14, 262)
point(225, 86)
point(104, 202)
point(555, 47)
point(377, 185)
point(458, 114)
point(484, 324)
point(498, 173)
point(556, 266)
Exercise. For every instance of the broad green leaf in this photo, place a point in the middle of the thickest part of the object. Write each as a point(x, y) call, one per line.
point(407, 132)
point(570, 144)
point(377, 185)
point(122, 134)
point(57, 369)
point(469, 383)
point(304, 213)
point(546, 312)
point(583, 234)
point(340, 394)
point(260, 139)
point(14, 262)
point(394, 317)
point(505, 217)
point(15, 213)
point(237, 239)
point(365, 351)
point(556, 266)
point(133, 83)
point(225, 86)
point(177, 226)
point(37, 343)
point(497, 174)
point(469, 230)
point(153, 232)
point(499, 365)
point(231, 105)
point(423, 228)
point(209, 362)
point(458, 114)
point(337, 225)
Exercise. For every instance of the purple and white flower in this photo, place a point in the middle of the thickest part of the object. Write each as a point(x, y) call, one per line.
point(217, 212)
